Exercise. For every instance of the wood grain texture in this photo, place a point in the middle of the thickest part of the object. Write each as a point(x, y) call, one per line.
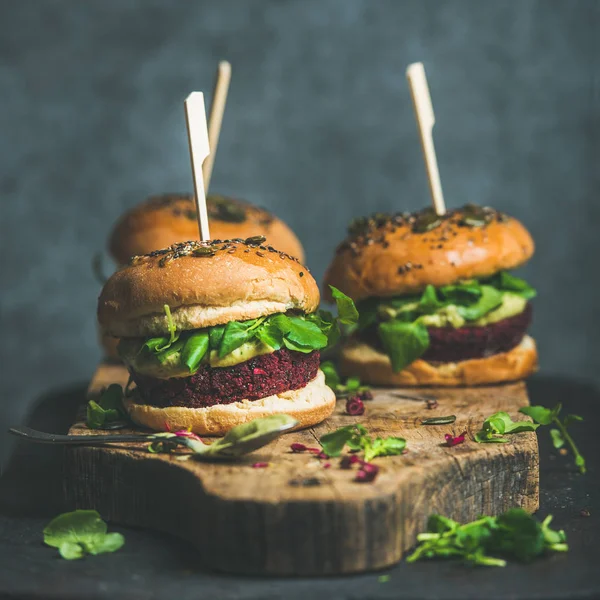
point(254, 521)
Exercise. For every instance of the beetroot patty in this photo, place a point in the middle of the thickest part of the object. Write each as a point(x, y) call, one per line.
point(447, 344)
point(256, 378)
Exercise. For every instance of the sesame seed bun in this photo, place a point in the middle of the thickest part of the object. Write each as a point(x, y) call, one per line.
point(391, 255)
point(204, 284)
point(163, 220)
point(308, 405)
point(374, 367)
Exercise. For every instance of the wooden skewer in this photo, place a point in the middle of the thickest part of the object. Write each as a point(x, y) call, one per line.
point(215, 117)
point(417, 80)
point(195, 118)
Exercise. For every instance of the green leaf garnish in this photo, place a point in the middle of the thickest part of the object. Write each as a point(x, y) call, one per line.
point(514, 534)
point(81, 532)
point(194, 350)
point(497, 425)
point(560, 435)
point(504, 281)
point(403, 342)
point(107, 409)
point(334, 381)
point(356, 438)
point(347, 313)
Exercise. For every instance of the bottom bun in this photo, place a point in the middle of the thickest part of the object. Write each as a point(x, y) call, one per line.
point(309, 405)
point(374, 367)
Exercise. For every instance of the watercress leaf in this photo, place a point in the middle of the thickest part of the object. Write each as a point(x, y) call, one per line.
point(483, 437)
point(580, 462)
point(540, 414)
point(464, 293)
point(100, 544)
point(71, 550)
point(440, 524)
point(156, 344)
point(490, 299)
point(236, 334)
point(518, 534)
point(78, 526)
point(95, 415)
point(507, 282)
point(268, 333)
point(389, 446)
point(558, 441)
point(333, 443)
point(194, 350)
point(347, 313)
point(571, 419)
point(352, 383)
point(429, 302)
point(305, 333)
point(332, 379)
point(112, 398)
point(403, 342)
point(215, 335)
point(556, 410)
point(172, 349)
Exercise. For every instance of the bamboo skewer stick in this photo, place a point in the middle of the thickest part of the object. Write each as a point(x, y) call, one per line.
point(195, 118)
point(417, 80)
point(215, 118)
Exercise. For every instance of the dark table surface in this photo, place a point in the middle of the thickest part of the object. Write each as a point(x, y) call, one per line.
point(152, 565)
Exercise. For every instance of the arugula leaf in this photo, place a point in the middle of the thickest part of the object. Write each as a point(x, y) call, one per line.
point(506, 282)
point(80, 532)
point(490, 299)
point(347, 313)
point(560, 435)
point(403, 342)
point(108, 408)
point(194, 350)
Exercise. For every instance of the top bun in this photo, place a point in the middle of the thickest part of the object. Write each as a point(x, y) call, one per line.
point(392, 255)
point(163, 220)
point(204, 284)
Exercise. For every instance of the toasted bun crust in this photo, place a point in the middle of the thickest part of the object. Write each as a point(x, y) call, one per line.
point(204, 284)
point(309, 405)
point(164, 220)
point(387, 255)
point(374, 367)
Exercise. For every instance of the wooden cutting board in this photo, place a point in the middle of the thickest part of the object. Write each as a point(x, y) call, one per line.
point(298, 517)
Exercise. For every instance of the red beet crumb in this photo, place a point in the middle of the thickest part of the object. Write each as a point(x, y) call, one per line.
point(326, 465)
point(454, 441)
point(366, 473)
point(260, 465)
point(355, 406)
point(349, 460)
point(186, 433)
point(366, 395)
point(322, 455)
point(259, 372)
point(298, 447)
point(314, 450)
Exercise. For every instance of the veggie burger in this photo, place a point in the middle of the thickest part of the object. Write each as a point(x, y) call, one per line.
point(218, 333)
point(436, 301)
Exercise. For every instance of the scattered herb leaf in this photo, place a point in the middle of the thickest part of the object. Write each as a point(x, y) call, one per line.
point(107, 409)
point(356, 438)
point(497, 425)
point(560, 435)
point(81, 532)
point(439, 420)
point(514, 534)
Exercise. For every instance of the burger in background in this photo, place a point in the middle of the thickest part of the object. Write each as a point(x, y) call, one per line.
point(436, 301)
point(218, 333)
point(167, 219)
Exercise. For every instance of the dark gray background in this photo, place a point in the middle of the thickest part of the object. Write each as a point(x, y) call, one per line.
point(319, 127)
